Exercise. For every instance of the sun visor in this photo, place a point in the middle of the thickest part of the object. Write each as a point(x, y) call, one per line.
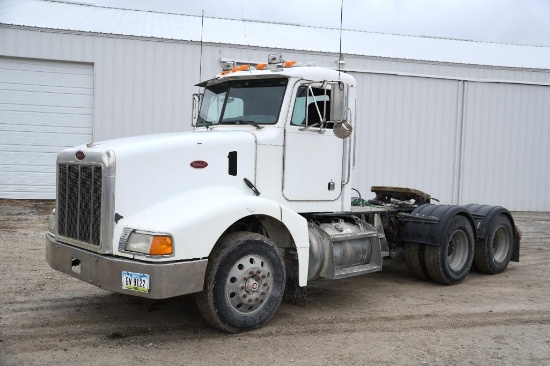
point(218, 80)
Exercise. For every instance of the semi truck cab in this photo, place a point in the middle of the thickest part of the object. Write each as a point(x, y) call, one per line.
point(254, 203)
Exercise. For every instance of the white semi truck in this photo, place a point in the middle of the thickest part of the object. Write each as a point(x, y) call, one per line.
point(254, 203)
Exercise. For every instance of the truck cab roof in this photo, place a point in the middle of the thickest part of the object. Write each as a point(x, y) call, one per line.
point(299, 72)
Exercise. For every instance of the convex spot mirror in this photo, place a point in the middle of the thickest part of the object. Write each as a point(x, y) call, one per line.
point(342, 129)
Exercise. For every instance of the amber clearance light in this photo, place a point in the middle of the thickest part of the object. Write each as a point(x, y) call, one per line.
point(240, 68)
point(161, 245)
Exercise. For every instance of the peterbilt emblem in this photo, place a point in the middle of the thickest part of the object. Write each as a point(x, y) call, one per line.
point(199, 164)
point(80, 155)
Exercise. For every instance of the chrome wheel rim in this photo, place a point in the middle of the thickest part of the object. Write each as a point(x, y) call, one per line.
point(248, 284)
point(457, 253)
point(501, 242)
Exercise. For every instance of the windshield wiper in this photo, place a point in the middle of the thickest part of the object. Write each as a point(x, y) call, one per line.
point(243, 121)
point(204, 123)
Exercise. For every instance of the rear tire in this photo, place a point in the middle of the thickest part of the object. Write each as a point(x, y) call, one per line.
point(415, 259)
point(244, 283)
point(493, 254)
point(450, 262)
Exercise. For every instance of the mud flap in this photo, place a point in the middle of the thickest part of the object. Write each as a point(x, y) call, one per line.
point(294, 294)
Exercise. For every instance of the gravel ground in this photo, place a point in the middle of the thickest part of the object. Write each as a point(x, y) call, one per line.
point(386, 318)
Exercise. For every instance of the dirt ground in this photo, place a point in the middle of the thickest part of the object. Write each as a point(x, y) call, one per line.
point(387, 318)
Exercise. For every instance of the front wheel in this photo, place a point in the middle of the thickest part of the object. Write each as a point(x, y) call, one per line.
point(450, 262)
point(244, 283)
point(493, 255)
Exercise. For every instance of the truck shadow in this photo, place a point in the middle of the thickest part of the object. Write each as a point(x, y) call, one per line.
point(102, 318)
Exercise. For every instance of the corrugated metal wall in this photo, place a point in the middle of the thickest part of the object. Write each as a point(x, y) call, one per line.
point(506, 150)
point(412, 132)
point(461, 141)
point(408, 133)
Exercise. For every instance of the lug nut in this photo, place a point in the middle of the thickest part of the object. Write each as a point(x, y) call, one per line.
point(262, 293)
point(249, 300)
point(242, 287)
point(245, 296)
point(245, 278)
point(265, 284)
point(258, 272)
point(251, 272)
point(263, 276)
point(257, 299)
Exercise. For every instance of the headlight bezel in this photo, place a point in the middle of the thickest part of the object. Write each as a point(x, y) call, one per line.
point(143, 243)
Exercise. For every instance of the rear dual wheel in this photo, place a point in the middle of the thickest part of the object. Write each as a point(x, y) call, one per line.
point(493, 254)
point(450, 262)
point(415, 259)
point(447, 263)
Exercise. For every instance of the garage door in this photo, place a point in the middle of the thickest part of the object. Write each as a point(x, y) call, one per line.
point(44, 107)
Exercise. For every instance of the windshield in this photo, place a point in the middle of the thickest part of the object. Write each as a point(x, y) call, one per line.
point(243, 101)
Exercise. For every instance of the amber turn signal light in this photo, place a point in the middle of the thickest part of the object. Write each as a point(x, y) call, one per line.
point(161, 245)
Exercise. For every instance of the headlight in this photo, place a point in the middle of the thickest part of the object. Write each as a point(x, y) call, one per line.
point(149, 244)
point(51, 223)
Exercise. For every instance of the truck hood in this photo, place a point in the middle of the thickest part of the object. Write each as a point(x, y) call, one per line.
point(151, 169)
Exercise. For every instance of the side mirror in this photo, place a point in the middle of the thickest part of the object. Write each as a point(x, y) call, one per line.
point(197, 102)
point(338, 102)
point(339, 110)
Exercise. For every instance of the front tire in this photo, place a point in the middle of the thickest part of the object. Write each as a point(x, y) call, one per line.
point(450, 262)
point(493, 254)
point(244, 284)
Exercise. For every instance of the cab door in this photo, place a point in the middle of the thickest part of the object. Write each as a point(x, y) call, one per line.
point(313, 157)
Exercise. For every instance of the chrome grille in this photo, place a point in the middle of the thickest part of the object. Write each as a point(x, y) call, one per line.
point(79, 202)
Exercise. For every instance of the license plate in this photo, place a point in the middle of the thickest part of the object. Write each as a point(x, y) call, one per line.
point(135, 281)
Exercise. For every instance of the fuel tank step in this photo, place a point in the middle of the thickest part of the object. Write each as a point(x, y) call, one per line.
point(356, 270)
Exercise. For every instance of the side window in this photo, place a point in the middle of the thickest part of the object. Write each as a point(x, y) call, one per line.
point(299, 113)
point(310, 109)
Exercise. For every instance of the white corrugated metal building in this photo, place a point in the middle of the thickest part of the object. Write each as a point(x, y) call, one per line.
point(465, 121)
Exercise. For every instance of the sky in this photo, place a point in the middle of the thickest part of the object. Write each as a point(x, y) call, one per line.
point(503, 21)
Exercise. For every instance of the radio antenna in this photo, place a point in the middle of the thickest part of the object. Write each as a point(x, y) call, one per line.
point(245, 38)
point(202, 31)
point(341, 57)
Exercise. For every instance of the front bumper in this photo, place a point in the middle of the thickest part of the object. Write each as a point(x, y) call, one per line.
point(166, 279)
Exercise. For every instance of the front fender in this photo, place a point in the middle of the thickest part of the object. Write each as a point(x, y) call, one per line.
point(196, 219)
point(297, 226)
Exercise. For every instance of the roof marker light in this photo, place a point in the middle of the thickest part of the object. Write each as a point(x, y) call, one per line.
point(289, 63)
point(261, 66)
point(241, 68)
